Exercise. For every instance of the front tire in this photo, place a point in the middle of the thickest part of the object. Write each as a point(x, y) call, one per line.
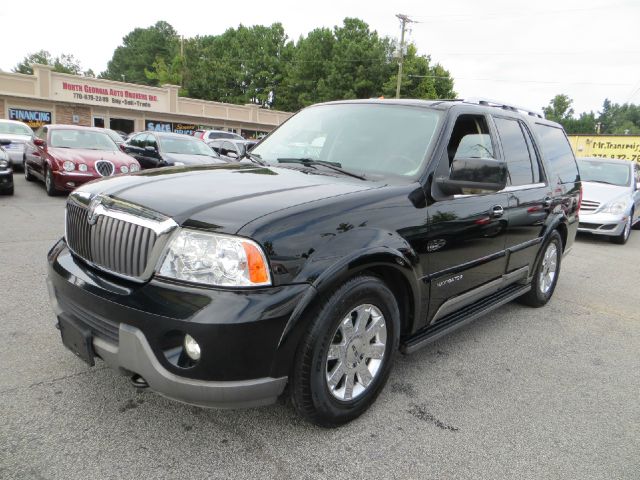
point(346, 355)
point(626, 233)
point(49, 184)
point(28, 176)
point(545, 277)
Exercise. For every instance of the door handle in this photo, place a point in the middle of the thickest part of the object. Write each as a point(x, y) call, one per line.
point(497, 211)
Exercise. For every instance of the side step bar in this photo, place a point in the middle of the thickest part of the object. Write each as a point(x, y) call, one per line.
point(463, 316)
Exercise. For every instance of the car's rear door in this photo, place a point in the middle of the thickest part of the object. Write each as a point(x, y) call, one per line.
point(529, 200)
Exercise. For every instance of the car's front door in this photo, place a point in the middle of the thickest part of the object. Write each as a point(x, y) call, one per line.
point(466, 233)
point(529, 195)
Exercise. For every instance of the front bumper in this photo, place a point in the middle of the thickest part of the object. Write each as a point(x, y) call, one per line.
point(602, 223)
point(68, 181)
point(137, 329)
point(6, 179)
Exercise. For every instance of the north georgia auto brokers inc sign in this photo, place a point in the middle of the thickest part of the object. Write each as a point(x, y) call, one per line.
point(109, 96)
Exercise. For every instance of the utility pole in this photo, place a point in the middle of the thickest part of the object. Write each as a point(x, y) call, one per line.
point(404, 19)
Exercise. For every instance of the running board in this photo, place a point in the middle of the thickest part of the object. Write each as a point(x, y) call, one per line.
point(462, 316)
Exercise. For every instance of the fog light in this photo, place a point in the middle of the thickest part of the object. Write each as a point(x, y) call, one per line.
point(191, 347)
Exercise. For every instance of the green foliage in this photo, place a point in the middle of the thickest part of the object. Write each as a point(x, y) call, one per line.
point(613, 119)
point(63, 64)
point(140, 49)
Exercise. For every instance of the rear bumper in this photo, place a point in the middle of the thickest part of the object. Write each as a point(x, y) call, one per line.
point(602, 224)
point(139, 329)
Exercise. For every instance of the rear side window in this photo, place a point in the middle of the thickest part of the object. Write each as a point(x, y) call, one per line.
point(558, 154)
point(516, 152)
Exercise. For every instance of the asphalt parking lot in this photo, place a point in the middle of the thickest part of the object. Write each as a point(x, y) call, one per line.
point(522, 393)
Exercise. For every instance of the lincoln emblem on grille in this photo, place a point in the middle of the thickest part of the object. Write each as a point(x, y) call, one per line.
point(92, 216)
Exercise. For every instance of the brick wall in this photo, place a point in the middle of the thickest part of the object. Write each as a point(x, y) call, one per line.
point(64, 114)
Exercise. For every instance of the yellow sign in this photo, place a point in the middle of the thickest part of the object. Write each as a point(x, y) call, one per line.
point(624, 147)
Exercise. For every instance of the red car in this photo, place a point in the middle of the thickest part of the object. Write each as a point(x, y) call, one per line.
point(66, 156)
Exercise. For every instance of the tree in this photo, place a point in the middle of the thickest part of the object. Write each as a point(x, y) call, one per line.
point(65, 63)
point(559, 109)
point(140, 50)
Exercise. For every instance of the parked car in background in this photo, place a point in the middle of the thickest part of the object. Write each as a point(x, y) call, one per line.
point(207, 135)
point(115, 136)
point(415, 218)
point(231, 149)
point(19, 133)
point(6, 170)
point(67, 156)
point(610, 197)
point(163, 149)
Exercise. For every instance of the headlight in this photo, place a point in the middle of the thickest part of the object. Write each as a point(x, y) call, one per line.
point(82, 167)
point(615, 207)
point(124, 169)
point(214, 259)
point(69, 166)
point(134, 167)
point(4, 164)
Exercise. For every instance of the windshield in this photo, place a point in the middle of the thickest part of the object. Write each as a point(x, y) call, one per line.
point(15, 129)
point(369, 139)
point(115, 136)
point(87, 139)
point(186, 146)
point(605, 172)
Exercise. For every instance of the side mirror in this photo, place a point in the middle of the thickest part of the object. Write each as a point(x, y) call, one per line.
point(39, 142)
point(123, 147)
point(474, 173)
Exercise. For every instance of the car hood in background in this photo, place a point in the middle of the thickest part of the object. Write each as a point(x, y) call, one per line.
point(191, 159)
point(602, 192)
point(224, 197)
point(81, 155)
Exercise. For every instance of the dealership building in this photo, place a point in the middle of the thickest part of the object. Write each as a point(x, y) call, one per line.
point(49, 97)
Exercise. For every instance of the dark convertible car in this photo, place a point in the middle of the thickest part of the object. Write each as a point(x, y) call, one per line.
point(361, 228)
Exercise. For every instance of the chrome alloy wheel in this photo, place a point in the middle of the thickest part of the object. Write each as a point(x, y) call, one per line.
point(549, 268)
point(356, 352)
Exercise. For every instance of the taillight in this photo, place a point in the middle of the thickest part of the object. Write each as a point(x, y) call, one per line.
point(580, 198)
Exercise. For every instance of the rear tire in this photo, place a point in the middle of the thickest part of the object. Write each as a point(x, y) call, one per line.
point(545, 277)
point(49, 184)
point(345, 357)
point(8, 191)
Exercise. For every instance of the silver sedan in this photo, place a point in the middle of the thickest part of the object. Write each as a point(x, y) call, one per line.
point(19, 133)
point(610, 197)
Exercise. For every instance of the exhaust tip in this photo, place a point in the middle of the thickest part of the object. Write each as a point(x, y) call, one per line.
point(139, 382)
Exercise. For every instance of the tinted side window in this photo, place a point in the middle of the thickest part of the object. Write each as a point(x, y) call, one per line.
point(151, 142)
point(535, 157)
point(137, 140)
point(470, 138)
point(557, 152)
point(516, 151)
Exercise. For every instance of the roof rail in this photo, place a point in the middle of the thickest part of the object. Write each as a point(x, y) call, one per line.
point(494, 103)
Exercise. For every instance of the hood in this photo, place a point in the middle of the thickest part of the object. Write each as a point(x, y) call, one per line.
point(602, 192)
point(188, 159)
point(224, 197)
point(79, 155)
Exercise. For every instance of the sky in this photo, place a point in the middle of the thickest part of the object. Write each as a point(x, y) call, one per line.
point(521, 53)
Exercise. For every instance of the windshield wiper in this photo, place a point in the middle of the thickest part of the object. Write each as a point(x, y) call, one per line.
point(602, 181)
point(255, 158)
point(308, 162)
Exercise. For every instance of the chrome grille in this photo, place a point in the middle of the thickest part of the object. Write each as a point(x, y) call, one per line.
point(116, 240)
point(589, 206)
point(105, 168)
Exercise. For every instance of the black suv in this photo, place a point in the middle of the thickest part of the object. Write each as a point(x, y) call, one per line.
point(359, 229)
